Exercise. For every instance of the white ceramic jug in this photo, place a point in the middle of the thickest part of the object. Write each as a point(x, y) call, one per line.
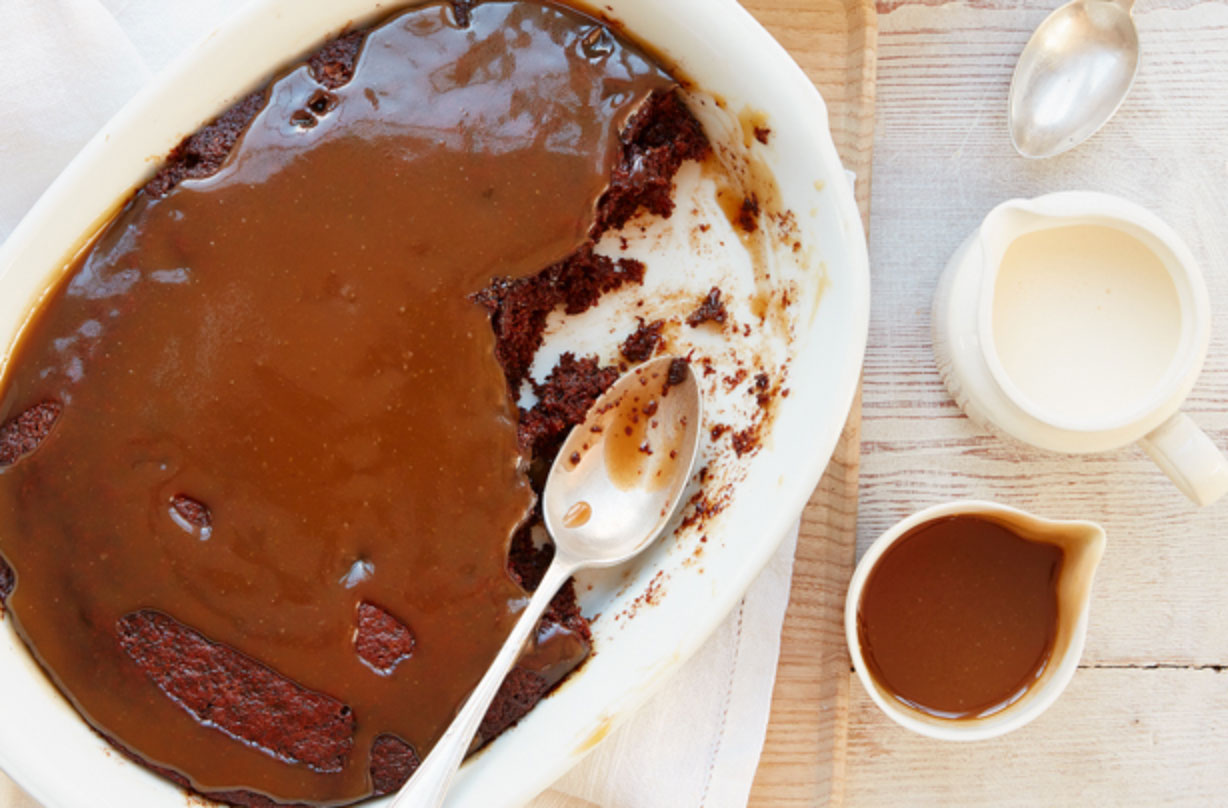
point(1078, 322)
point(1082, 546)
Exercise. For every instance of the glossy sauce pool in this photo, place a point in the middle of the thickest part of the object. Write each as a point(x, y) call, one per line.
point(959, 617)
point(282, 419)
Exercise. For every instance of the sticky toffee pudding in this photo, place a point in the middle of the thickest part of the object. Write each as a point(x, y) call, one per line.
point(266, 508)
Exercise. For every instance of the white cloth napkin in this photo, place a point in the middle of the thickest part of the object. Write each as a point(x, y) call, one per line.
point(697, 741)
point(69, 65)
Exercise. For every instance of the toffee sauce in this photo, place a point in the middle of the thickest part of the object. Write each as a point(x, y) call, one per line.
point(958, 617)
point(290, 343)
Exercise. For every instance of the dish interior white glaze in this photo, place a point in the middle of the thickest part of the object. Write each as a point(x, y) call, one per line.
point(820, 337)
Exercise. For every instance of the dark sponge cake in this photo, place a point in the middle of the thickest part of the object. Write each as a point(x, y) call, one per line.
point(380, 639)
point(392, 762)
point(519, 692)
point(642, 343)
point(23, 434)
point(518, 308)
point(246, 700)
point(658, 140)
point(6, 581)
point(562, 401)
point(201, 154)
point(18, 438)
point(259, 706)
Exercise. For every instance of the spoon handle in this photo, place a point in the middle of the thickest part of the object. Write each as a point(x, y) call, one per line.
point(428, 785)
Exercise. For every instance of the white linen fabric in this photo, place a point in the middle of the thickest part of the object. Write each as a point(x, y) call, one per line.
point(697, 741)
point(69, 65)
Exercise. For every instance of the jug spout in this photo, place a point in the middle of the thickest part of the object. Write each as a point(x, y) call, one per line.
point(1015, 217)
point(1001, 227)
point(1007, 222)
point(1082, 545)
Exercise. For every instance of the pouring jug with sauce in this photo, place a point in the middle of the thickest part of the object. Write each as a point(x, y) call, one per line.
point(1078, 322)
point(967, 620)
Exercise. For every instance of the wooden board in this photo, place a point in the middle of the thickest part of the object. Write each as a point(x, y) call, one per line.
point(803, 758)
point(1116, 737)
point(1144, 720)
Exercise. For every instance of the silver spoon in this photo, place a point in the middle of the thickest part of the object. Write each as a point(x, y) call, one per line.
point(612, 488)
point(1072, 76)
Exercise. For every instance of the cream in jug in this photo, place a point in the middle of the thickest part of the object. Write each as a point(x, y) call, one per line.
point(1086, 320)
point(1078, 322)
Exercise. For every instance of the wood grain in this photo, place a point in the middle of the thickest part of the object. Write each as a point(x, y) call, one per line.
point(1143, 722)
point(1116, 737)
point(803, 760)
point(942, 160)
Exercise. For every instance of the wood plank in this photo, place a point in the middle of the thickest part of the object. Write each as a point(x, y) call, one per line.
point(802, 763)
point(803, 760)
point(1122, 733)
point(942, 160)
point(834, 42)
point(1116, 737)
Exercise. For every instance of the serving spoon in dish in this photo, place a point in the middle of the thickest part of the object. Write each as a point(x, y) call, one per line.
point(612, 489)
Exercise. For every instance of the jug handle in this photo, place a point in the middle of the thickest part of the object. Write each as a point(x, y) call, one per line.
point(1189, 458)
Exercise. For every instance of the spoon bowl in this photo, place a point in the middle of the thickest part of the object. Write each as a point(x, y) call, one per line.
point(1072, 76)
point(619, 475)
point(613, 487)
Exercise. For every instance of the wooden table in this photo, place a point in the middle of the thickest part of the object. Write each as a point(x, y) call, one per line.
point(1145, 720)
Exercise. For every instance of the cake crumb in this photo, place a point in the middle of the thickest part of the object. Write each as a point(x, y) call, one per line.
point(192, 511)
point(746, 440)
point(748, 214)
point(645, 341)
point(711, 310)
